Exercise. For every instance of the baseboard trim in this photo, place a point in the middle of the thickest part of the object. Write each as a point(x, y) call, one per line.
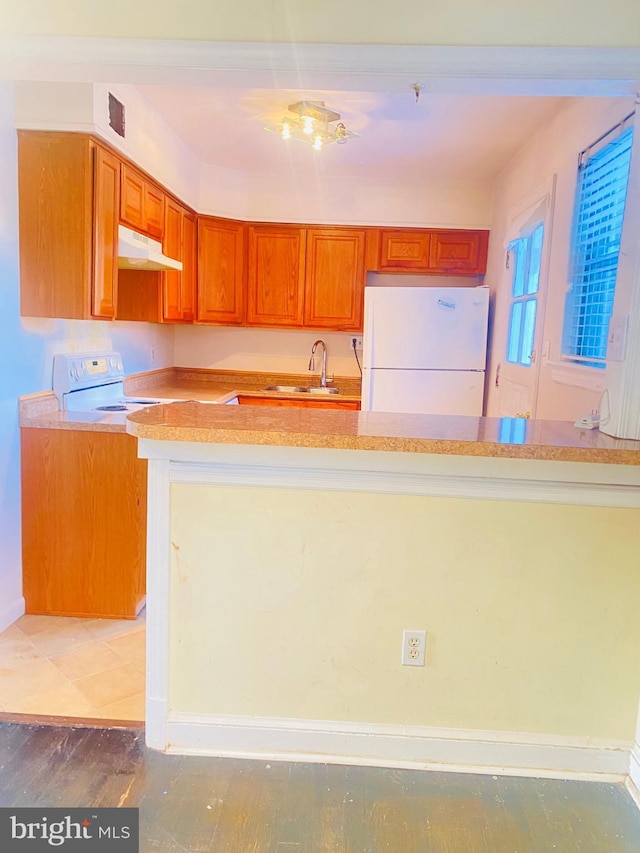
point(418, 747)
point(634, 773)
point(10, 614)
point(634, 792)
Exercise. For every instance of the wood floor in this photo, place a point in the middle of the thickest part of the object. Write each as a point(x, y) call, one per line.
point(224, 805)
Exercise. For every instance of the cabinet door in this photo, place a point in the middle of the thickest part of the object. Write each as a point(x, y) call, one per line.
point(275, 273)
point(142, 203)
point(334, 278)
point(55, 180)
point(154, 201)
point(132, 198)
point(189, 266)
point(463, 252)
point(84, 516)
point(178, 288)
point(404, 250)
point(221, 297)
point(105, 225)
point(172, 247)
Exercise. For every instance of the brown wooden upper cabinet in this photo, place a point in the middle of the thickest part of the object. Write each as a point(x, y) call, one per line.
point(275, 275)
point(447, 252)
point(334, 278)
point(106, 182)
point(461, 252)
point(404, 250)
point(69, 198)
point(141, 203)
point(221, 285)
point(179, 242)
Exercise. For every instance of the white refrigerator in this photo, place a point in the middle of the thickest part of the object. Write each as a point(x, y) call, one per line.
point(424, 348)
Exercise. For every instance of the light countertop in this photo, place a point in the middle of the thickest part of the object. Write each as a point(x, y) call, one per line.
point(211, 386)
point(327, 428)
point(354, 430)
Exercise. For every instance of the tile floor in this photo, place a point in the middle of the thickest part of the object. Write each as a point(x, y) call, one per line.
point(61, 666)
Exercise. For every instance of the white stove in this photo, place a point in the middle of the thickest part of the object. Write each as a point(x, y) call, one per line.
point(95, 383)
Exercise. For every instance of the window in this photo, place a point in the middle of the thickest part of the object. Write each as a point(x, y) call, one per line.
point(524, 256)
point(603, 174)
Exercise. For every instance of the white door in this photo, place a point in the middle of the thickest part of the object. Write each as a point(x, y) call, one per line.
point(518, 325)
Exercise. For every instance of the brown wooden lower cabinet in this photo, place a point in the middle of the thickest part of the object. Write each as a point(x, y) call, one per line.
point(84, 516)
point(247, 400)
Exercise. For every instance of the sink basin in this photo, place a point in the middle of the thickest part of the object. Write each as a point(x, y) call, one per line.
point(301, 389)
point(288, 389)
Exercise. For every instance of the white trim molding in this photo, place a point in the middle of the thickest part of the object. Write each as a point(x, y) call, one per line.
point(435, 485)
point(521, 70)
point(419, 747)
point(634, 765)
point(12, 613)
point(158, 588)
point(632, 782)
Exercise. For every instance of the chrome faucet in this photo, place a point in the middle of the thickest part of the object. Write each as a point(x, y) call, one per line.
point(312, 363)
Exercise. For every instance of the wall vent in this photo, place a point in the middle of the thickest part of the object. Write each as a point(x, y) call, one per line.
point(116, 115)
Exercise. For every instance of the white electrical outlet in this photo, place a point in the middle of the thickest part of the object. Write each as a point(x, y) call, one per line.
point(413, 647)
point(356, 342)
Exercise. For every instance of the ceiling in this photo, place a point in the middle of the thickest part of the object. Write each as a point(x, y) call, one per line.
point(438, 137)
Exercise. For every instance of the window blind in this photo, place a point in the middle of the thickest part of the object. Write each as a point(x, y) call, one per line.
point(599, 212)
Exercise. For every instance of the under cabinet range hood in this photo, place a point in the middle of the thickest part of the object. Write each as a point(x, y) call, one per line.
point(138, 252)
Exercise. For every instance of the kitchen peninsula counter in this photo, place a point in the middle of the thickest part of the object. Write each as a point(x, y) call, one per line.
point(319, 536)
point(377, 431)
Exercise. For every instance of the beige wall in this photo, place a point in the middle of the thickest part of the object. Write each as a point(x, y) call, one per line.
point(291, 603)
point(464, 22)
point(263, 350)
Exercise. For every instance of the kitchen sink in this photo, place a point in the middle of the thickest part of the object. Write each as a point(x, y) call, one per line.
point(301, 389)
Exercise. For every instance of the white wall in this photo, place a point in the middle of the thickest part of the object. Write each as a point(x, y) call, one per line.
point(553, 150)
point(373, 201)
point(27, 347)
point(84, 107)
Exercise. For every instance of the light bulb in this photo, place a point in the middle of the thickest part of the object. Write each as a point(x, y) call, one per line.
point(307, 124)
point(317, 142)
point(340, 133)
point(285, 130)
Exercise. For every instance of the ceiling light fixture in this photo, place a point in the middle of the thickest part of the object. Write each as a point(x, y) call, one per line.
point(312, 122)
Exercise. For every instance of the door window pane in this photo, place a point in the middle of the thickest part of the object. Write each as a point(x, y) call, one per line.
point(526, 253)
